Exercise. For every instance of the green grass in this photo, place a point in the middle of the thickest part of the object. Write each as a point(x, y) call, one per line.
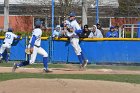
point(118, 78)
point(39, 65)
point(114, 67)
point(107, 77)
point(91, 66)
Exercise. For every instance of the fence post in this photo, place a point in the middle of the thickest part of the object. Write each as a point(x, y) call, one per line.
point(120, 32)
point(26, 44)
point(123, 32)
point(50, 49)
point(132, 31)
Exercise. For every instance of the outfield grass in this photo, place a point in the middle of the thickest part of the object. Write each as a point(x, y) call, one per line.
point(118, 78)
point(39, 65)
point(114, 67)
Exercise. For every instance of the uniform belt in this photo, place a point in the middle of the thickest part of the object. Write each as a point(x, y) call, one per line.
point(37, 46)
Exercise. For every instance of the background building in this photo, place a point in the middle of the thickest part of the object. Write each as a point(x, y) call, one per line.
point(32, 9)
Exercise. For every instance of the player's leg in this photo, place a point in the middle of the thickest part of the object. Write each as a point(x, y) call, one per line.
point(2, 49)
point(42, 52)
point(22, 63)
point(85, 59)
point(33, 55)
point(17, 65)
point(79, 53)
point(77, 49)
point(7, 55)
point(28, 62)
point(81, 57)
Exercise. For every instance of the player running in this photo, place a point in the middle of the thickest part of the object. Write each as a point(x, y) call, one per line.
point(34, 48)
point(7, 43)
point(72, 31)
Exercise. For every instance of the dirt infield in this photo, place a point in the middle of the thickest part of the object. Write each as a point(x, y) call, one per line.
point(66, 86)
point(69, 71)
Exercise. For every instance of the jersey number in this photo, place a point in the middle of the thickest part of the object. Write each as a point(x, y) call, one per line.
point(8, 36)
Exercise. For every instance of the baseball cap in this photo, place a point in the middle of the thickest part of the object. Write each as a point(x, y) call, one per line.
point(72, 14)
point(85, 26)
point(112, 27)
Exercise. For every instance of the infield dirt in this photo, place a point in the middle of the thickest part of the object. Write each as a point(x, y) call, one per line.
point(33, 85)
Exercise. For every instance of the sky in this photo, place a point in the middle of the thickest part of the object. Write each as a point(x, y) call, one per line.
point(101, 2)
point(11, 1)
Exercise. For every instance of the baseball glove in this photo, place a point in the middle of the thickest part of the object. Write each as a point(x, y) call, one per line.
point(70, 30)
point(27, 51)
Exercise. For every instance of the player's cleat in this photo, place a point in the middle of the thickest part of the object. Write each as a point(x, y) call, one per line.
point(85, 63)
point(14, 67)
point(47, 70)
point(81, 68)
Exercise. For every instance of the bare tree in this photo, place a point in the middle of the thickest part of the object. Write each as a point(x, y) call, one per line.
point(84, 12)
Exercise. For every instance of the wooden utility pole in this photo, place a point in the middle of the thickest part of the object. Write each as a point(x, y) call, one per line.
point(84, 12)
point(6, 15)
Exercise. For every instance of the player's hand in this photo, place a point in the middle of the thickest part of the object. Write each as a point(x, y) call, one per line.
point(31, 50)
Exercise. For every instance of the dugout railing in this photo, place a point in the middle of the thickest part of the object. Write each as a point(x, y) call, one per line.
point(133, 29)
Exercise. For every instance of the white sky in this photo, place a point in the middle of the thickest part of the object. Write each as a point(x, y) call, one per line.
point(101, 2)
point(11, 1)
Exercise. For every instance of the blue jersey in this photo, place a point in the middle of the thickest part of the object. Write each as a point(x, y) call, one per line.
point(113, 34)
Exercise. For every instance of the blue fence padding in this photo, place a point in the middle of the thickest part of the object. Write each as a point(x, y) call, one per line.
point(72, 55)
point(113, 51)
point(1, 41)
point(100, 51)
point(60, 51)
point(105, 51)
point(18, 52)
point(45, 46)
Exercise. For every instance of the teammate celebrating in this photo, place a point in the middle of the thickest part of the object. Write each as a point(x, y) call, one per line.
point(72, 31)
point(8, 41)
point(34, 48)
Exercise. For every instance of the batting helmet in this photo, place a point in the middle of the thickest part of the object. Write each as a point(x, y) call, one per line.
point(72, 14)
point(10, 29)
point(38, 22)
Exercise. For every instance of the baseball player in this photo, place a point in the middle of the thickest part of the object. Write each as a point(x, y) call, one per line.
point(7, 43)
point(72, 31)
point(34, 48)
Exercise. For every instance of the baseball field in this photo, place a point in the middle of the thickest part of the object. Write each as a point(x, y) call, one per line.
point(67, 78)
